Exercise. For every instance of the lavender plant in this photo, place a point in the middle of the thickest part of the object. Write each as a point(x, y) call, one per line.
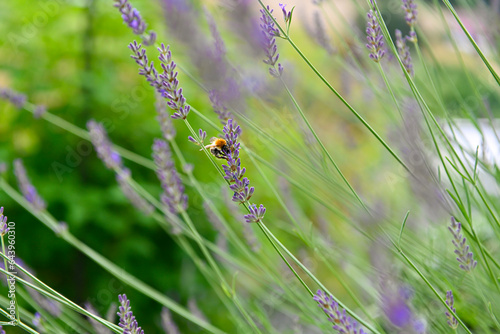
point(337, 226)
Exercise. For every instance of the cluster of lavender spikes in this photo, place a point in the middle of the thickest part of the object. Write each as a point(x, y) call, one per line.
point(341, 321)
point(133, 19)
point(374, 37)
point(165, 83)
point(127, 318)
point(404, 52)
point(464, 257)
point(269, 33)
point(27, 189)
point(452, 321)
point(3, 223)
point(173, 191)
point(410, 9)
point(235, 173)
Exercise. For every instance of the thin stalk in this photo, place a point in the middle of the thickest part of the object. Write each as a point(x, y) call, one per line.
point(325, 151)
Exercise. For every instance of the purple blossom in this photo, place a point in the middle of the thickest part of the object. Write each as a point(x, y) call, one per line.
point(269, 33)
point(17, 99)
point(167, 323)
point(170, 90)
point(137, 201)
point(37, 322)
point(233, 170)
point(375, 38)
point(410, 9)
point(219, 46)
point(173, 191)
point(3, 223)
point(464, 256)
point(220, 109)
point(127, 318)
point(103, 146)
point(39, 111)
point(27, 189)
point(320, 33)
point(133, 19)
point(404, 52)
point(256, 214)
point(146, 68)
point(452, 321)
point(338, 316)
point(287, 15)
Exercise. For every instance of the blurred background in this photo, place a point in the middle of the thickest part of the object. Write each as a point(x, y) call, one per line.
point(72, 56)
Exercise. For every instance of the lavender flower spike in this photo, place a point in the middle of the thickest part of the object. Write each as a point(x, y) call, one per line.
point(167, 323)
point(410, 9)
point(269, 33)
point(133, 19)
point(3, 223)
point(342, 322)
point(404, 52)
point(17, 99)
point(452, 321)
point(287, 15)
point(170, 84)
point(27, 189)
point(464, 257)
point(256, 214)
point(173, 191)
point(374, 37)
point(102, 145)
point(127, 319)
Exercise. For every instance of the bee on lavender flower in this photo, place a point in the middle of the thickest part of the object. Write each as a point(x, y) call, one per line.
point(219, 148)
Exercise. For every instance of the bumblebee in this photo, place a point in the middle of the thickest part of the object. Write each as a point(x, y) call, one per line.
point(219, 148)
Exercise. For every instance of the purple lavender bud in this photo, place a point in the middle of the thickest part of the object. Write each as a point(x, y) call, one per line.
point(173, 191)
point(39, 111)
point(412, 37)
point(287, 15)
point(410, 9)
point(338, 316)
point(127, 318)
point(102, 145)
point(256, 214)
point(464, 257)
point(222, 112)
point(137, 201)
point(169, 88)
point(269, 33)
point(452, 321)
point(146, 68)
point(374, 37)
point(3, 223)
point(320, 34)
point(404, 52)
point(27, 189)
point(133, 19)
point(202, 134)
point(2, 331)
point(191, 139)
point(167, 323)
point(37, 322)
point(167, 128)
point(17, 99)
point(220, 47)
